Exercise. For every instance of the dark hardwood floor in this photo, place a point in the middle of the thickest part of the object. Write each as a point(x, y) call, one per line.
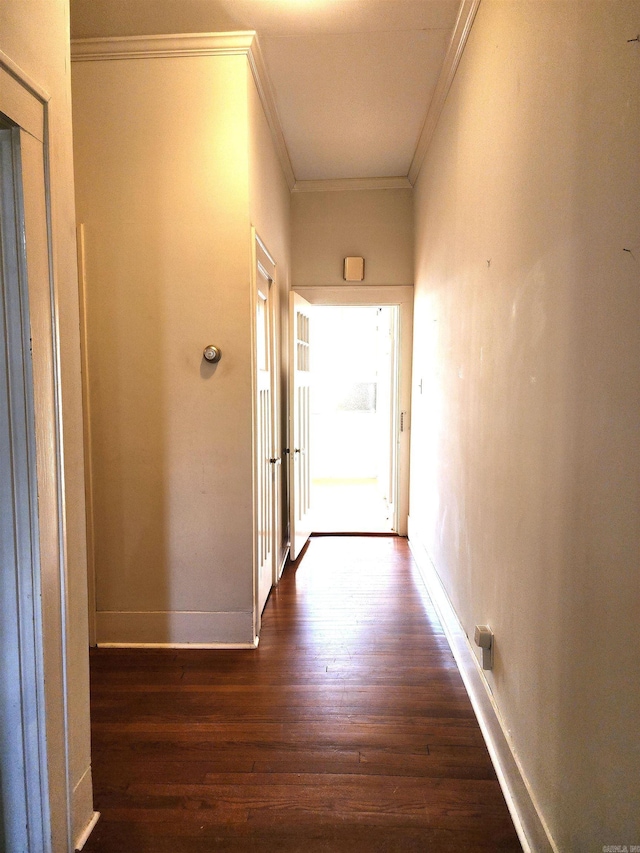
point(348, 729)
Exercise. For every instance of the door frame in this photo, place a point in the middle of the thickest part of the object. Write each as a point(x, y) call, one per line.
point(402, 297)
point(258, 247)
point(42, 593)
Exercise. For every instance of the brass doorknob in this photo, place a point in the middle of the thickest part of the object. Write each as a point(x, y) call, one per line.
point(212, 354)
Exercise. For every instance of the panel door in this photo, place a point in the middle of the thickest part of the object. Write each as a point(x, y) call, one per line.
point(299, 423)
point(265, 457)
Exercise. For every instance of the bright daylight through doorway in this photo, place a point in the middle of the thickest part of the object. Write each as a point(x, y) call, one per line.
point(353, 419)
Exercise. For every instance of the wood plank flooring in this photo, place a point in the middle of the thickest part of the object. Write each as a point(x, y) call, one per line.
point(348, 729)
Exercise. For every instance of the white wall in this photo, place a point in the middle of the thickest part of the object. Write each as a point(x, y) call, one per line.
point(270, 211)
point(35, 36)
point(525, 458)
point(329, 226)
point(377, 225)
point(162, 188)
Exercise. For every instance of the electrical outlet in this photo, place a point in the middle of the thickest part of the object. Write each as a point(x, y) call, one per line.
point(483, 637)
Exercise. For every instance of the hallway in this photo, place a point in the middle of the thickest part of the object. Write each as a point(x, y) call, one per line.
point(348, 729)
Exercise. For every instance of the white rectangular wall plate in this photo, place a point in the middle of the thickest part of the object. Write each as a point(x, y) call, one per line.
point(483, 637)
point(353, 269)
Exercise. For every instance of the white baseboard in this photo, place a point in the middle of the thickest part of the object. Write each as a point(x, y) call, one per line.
point(82, 839)
point(175, 629)
point(83, 817)
point(529, 823)
point(283, 561)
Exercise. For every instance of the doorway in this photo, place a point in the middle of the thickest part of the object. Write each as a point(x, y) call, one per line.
point(267, 461)
point(354, 418)
point(372, 496)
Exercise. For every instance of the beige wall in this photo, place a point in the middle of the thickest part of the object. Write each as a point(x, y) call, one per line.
point(35, 36)
point(162, 188)
point(525, 460)
point(270, 210)
point(374, 224)
point(124, 18)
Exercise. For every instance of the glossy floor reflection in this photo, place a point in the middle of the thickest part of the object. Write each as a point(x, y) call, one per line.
point(349, 506)
point(348, 729)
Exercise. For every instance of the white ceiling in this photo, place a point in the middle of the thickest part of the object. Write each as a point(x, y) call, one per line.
point(352, 79)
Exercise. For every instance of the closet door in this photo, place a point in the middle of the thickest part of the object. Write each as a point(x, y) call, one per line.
point(267, 460)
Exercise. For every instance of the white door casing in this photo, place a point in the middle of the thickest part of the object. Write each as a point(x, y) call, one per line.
point(37, 745)
point(402, 297)
point(299, 423)
point(266, 458)
point(24, 820)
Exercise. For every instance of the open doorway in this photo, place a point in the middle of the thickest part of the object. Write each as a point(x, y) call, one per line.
point(354, 418)
point(327, 343)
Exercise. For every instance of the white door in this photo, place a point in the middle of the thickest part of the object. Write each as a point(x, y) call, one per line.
point(387, 406)
point(266, 460)
point(299, 423)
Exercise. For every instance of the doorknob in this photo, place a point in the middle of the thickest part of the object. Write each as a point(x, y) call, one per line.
point(212, 354)
point(275, 460)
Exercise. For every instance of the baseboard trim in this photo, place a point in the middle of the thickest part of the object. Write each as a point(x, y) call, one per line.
point(175, 629)
point(283, 561)
point(529, 823)
point(82, 839)
point(82, 812)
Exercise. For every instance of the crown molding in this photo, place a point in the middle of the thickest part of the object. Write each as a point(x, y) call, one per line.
point(198, 44)
point(158, 46)
point(341, 184)
point(267, 97)
point(246, 43)
point(464, 22)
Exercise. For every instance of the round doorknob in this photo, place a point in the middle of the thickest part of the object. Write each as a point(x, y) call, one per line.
point(212, 354)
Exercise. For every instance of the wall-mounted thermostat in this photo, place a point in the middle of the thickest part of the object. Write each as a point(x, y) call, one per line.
point(353, 269)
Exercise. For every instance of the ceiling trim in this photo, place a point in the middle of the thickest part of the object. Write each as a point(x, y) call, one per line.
point(341, 184)
point(201, 44)
point(466, 16)
point(158, 46)
point(265, 91)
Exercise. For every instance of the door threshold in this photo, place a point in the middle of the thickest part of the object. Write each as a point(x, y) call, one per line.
point(382, 533)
